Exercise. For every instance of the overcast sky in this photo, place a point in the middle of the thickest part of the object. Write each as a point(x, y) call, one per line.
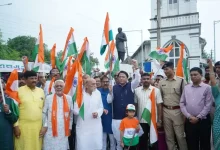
point(87, 18)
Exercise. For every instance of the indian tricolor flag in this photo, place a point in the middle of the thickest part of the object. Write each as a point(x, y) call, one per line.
point(150, 116)
point(84, 57)
point(181, 69)
point(111, 59)
point(161, 53)
point(55, 62)
point(70, 46)
point(11, 90)
point(38, 53)
point(69, 49)
point(107, 35)
point(74, 86)
point(68, 65)
point(130, 135)
point(51, 85)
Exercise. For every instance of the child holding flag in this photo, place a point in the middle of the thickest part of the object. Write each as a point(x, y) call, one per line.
point(129, 129)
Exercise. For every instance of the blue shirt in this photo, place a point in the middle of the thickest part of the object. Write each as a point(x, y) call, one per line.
point(106, 119)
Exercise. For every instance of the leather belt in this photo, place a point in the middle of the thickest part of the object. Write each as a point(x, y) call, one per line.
point(171, 107)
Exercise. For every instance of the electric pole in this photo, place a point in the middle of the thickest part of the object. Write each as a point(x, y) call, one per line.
point(158, 24)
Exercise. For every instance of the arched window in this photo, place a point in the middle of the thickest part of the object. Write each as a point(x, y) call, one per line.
point(174, 54)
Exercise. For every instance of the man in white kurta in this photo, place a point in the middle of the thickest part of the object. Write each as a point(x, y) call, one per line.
point(59, 142)
point(89, 131)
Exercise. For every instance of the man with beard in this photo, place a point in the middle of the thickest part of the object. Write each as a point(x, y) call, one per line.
point(28, 127)
point(57, 118)
point(54, 75)
point(142, 99)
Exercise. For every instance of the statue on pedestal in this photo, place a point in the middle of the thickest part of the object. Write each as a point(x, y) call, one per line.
point(120, 44)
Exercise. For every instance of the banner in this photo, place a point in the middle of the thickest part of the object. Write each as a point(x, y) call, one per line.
point(10, 65)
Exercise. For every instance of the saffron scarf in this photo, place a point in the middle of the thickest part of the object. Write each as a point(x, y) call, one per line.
point(66, 114)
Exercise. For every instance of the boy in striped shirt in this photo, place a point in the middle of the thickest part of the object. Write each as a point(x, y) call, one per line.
point(129, 129)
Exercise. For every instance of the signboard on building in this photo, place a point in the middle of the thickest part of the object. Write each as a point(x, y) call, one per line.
point(10, 65)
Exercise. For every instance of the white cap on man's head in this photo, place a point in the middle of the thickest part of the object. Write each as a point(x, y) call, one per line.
point(130, 107)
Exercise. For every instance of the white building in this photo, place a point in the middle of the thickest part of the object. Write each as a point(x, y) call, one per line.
point(179, 23)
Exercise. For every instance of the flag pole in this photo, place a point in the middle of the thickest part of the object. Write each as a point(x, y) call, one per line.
point(110, 65)
point(2, 91)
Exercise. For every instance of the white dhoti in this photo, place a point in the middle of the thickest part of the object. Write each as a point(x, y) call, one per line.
point(89, 135)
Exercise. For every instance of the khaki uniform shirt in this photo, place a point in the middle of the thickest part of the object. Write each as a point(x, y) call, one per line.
point(171, 90)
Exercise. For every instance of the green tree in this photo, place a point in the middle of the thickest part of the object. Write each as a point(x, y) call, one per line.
point(46, 54)
point(206, 55)
point(8, 53)
point(94, 61)
point(59, 54)
point(1, 41)
point(24, 45)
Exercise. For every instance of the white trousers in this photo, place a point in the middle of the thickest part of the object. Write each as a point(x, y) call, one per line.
point(116, 132)
point(112, 141)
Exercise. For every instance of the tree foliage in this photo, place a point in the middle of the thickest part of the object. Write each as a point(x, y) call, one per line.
point(94, 61)
point(59, 54)
point(20, 46)
point(8, 53)
point(206, 55)
point(24, 45)
point(1, 41)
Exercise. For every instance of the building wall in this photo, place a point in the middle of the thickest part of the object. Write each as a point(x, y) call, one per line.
point(182, 7)
point(181, 22)
point(177, 21)
point(146, 52)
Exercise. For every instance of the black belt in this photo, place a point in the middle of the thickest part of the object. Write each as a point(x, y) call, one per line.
point(171, 107)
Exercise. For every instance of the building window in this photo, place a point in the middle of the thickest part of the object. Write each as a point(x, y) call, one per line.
point(172, 1)
point(175, 52)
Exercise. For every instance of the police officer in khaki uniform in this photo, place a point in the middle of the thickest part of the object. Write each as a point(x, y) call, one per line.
point(173, 120)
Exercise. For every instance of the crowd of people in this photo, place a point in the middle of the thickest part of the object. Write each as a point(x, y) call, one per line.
point(118, 114)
